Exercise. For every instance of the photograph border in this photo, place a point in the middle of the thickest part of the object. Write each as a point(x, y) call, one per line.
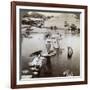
point(13, 44)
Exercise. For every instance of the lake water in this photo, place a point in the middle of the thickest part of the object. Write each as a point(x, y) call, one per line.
point(60, 62)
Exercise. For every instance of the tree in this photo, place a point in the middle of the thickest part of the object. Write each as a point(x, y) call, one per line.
point(73, 27)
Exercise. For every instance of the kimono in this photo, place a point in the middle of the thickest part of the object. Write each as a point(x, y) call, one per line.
point(49, 45)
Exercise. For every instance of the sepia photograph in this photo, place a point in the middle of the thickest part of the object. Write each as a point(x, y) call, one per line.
point(48, 44)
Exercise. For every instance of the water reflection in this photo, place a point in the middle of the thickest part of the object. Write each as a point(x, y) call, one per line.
point(58, 64)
